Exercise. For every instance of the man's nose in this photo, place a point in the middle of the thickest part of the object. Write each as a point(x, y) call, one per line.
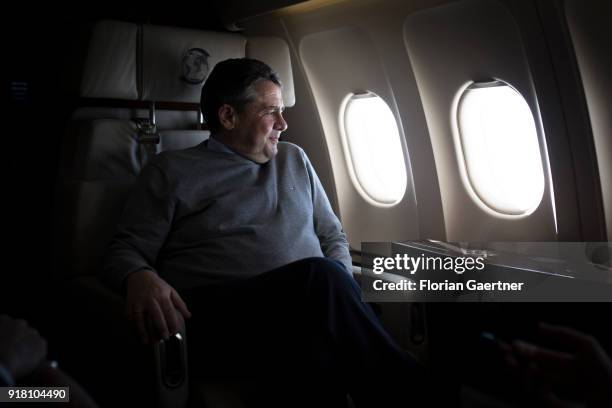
point(281, 124)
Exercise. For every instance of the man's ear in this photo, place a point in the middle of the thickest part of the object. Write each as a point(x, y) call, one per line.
point(227, 117)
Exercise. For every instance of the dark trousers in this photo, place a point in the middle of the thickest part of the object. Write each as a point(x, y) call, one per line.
point(301, 332)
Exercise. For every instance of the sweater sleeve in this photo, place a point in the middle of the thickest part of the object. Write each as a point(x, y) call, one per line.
point(327, 226)
point(143, 227)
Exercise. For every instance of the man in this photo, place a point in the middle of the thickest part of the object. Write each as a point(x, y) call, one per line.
point(239, 231)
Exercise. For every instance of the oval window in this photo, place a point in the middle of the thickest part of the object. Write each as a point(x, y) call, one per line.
point(499, 142)
point(375, 153)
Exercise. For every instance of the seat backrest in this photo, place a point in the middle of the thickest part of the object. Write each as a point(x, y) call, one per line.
point(128, 67)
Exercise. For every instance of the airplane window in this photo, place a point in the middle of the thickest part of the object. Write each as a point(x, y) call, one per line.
point(373, 149)
point(499, 142)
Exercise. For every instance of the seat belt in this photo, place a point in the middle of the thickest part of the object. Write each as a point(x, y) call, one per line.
point(148, 136)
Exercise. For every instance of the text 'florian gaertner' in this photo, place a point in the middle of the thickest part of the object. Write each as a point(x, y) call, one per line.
point(404, 263)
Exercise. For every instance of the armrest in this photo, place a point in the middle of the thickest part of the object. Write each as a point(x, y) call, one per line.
point(171, 371)
point(102, 311)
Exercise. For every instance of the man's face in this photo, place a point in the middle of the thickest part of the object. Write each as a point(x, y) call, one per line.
point(258, 127)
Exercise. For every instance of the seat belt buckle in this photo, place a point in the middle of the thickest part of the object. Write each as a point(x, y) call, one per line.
point(147, 132)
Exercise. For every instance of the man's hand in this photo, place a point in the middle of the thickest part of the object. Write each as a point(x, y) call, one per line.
point(583, 368)
point(152, 305)
point(22, 349)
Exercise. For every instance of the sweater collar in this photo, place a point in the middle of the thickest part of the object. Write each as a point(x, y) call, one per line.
point(216, 145)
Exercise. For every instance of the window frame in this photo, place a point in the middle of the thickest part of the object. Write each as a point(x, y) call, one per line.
point(349, 159)
point(468, 180)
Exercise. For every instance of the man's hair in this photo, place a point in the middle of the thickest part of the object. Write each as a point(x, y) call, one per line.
point(232, 82)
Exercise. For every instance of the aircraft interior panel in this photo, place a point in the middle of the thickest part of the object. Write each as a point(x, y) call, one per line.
point(331, 84)
point(589, 29)
point(457, 31)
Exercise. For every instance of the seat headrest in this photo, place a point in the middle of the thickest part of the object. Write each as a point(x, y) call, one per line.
point(177, 61)
point(173, 62)
point(110, 66)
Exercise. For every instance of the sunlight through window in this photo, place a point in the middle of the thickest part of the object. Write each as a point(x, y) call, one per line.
point(500, 146)
point(374, 149)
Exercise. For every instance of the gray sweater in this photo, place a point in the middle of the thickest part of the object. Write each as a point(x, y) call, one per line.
point(207, 214)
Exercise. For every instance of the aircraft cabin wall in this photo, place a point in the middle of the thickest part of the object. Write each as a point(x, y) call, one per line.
point(590, 30)
point(423, 59)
